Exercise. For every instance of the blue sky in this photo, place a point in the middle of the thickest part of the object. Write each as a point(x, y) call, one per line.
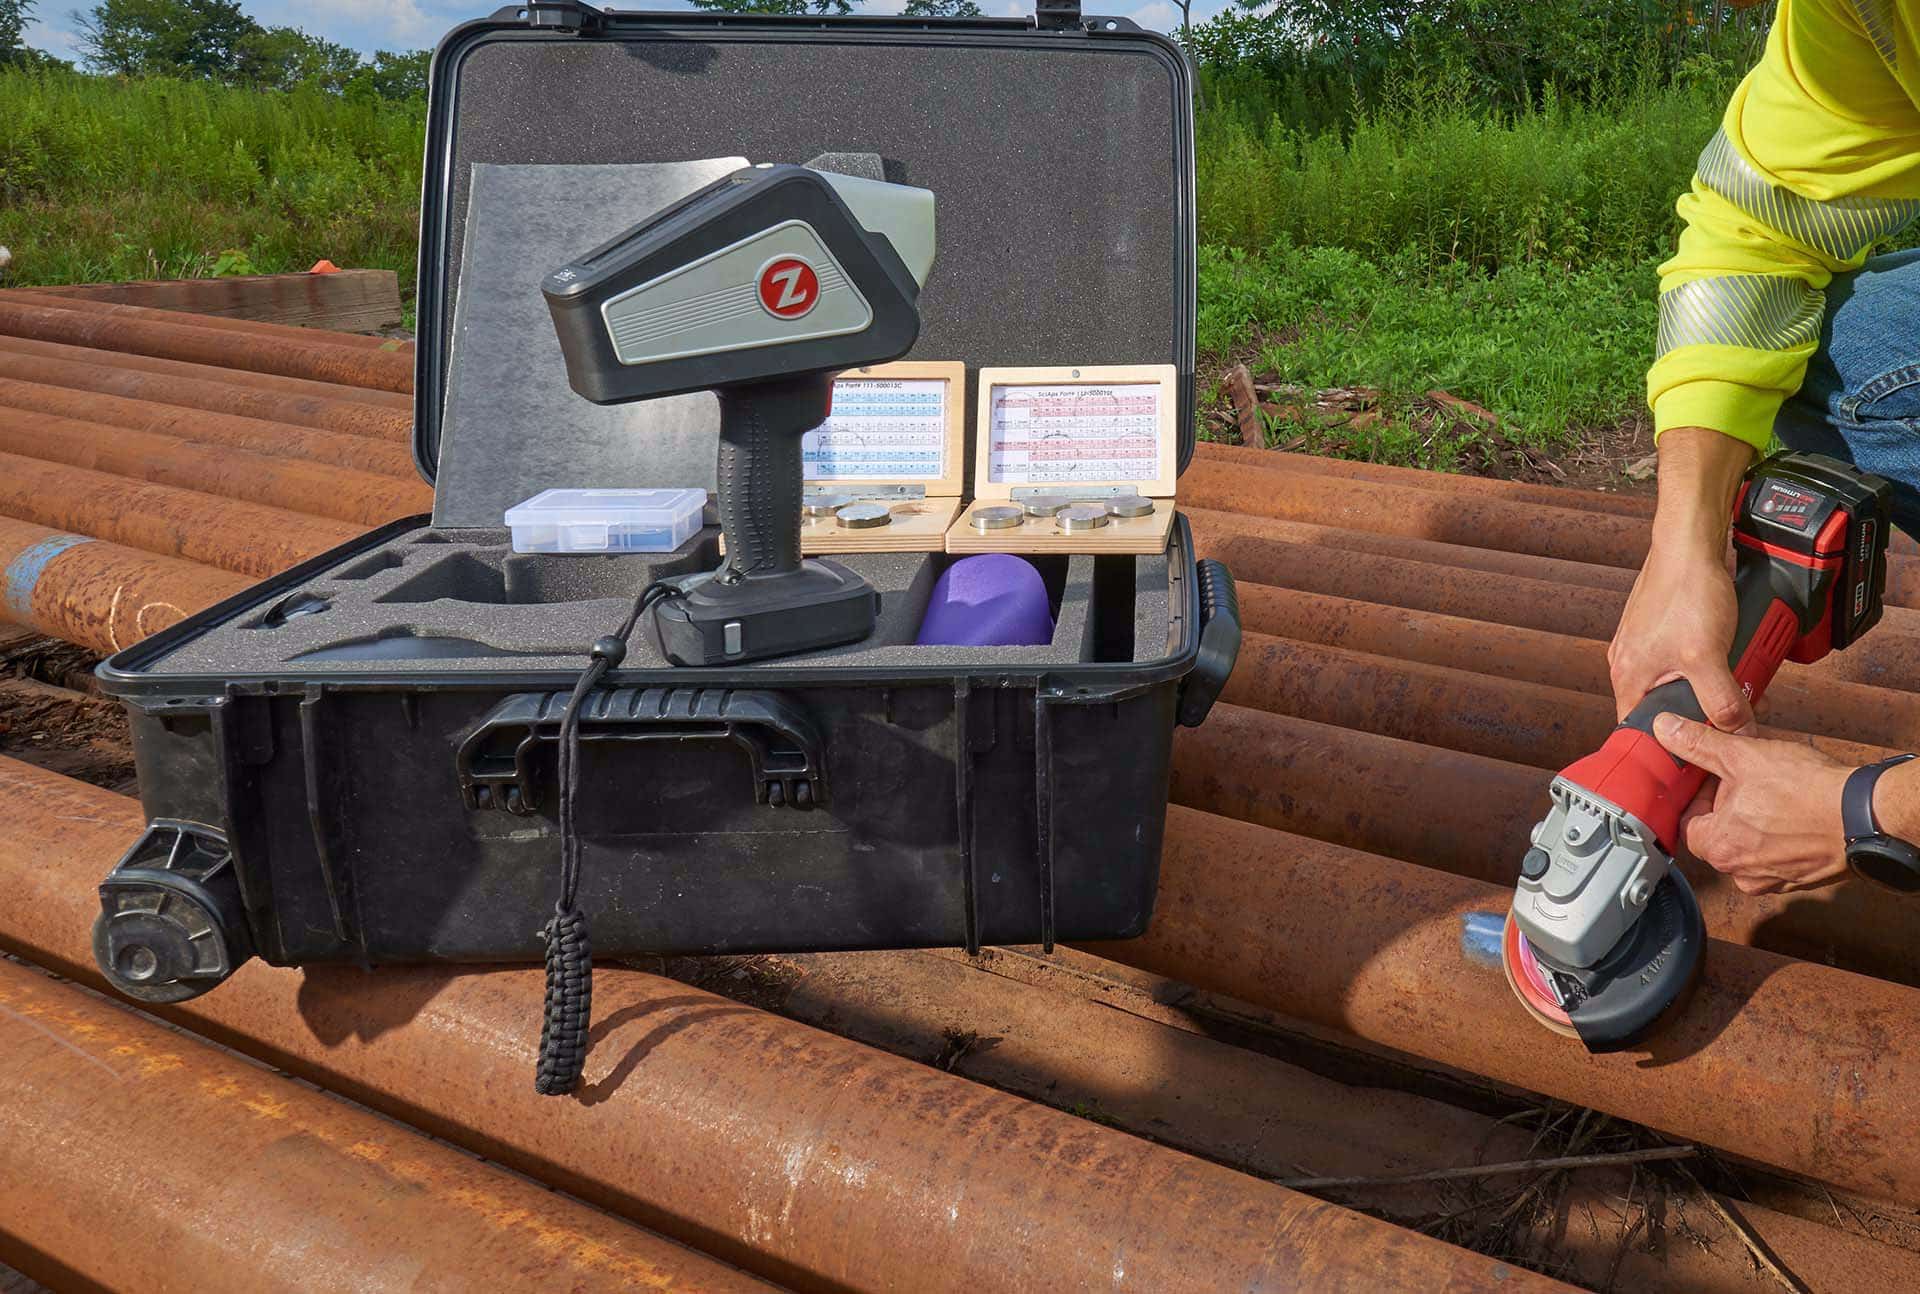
point(368, 25)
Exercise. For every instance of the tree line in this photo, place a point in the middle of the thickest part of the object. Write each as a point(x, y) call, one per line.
point(215, 40)
point(218, 40)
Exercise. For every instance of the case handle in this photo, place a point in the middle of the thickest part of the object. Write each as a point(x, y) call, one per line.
point(495, 762)
point(1219, 643)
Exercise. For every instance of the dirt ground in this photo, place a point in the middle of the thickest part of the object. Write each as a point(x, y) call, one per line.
point(1439, 429)
point(51, 718)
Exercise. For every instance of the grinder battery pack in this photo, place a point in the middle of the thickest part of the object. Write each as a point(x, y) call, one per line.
point(1605, 936)
point(760, 287)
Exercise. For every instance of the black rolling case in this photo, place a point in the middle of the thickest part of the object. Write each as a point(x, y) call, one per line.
point(355, 761)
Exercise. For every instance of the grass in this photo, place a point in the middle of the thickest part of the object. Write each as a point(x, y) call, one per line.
point(1554, 352)
point(1507, 259)
point(104, 180)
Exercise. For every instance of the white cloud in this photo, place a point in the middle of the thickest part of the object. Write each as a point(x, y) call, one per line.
point(369, 24)
point(1160, 15)
point(57, 41)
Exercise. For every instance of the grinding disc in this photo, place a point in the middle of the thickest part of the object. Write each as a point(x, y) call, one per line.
point(825, 505)
point(864, 516)
point(1641, 981)
point(1130, 505)
point(1045, 505)
point(1529, 983)
point(995, 518)
point(1082, 516)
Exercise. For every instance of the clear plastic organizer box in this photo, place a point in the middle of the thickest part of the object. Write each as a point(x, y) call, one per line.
point(605, 521)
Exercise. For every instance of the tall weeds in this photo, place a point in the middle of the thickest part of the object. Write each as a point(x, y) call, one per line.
point(103, 179)
point(1560, 183)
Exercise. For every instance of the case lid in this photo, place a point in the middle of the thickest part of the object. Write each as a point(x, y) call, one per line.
point(1062, 162)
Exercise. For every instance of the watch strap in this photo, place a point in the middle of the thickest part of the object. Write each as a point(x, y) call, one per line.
point(1856, 799)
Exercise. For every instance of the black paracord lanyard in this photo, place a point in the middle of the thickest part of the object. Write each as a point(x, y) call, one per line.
point(563, 1031)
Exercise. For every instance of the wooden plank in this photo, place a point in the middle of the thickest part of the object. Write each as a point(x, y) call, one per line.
point(918, 526)
point(344, 301)
point(1246, 408)
point(1086, 375)
point(950, 480)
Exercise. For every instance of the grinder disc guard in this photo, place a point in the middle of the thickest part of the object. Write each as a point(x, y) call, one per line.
point(1615, 1003)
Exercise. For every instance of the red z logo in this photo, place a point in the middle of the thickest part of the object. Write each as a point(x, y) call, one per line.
point(788, 288)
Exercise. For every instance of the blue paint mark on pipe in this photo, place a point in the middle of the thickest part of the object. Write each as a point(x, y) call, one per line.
point(1480, 936)
point(24, 571)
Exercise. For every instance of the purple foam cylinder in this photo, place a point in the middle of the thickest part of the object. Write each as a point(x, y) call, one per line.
point(992, 600)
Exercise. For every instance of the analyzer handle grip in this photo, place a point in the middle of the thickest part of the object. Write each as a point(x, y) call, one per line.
point(760, 473)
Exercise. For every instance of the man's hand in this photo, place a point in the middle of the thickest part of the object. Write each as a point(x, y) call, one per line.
point(1769, 816)
point(1679, 620)
point(1679, 623)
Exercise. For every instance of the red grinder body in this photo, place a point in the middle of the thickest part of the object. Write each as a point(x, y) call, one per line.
point(1604, 938)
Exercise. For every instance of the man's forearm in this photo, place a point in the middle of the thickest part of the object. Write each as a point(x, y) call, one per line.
point(1700, 472)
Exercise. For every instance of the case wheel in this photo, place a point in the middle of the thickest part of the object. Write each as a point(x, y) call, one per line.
point(171, 923)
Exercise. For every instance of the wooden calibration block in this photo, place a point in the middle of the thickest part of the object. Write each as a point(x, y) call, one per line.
point(896, 441)
point(1088, 455)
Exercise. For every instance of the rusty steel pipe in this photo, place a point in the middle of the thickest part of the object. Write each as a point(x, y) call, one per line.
point(1472, 816)
point(1600, 538)
point(812, 1160)
point(1890, 657)
point(1426, 586)
point(137, 1157)
point(1502, 718)
point(1440, 511)
point(246, 379)
point(220, 323)
point(336, 449)
point(1212, 529)
point(1798, 698)
point(1559, 496)
point(1804, 1067)
point(316, 489)
point(314, 360)
point(97, 594)
point(246, 538)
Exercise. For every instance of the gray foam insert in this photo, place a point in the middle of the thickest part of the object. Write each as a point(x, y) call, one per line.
point(1058, 165)
point(538, 611)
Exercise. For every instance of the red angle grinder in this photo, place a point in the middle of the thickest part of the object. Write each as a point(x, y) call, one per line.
point(1605, 936)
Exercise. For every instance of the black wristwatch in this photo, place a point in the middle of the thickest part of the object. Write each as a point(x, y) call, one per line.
point(1871, 852)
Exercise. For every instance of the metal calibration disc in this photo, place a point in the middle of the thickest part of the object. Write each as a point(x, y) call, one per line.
point(1082, 516)
point(824, 505)
point(1046, 505)
point(995, 518)
point(864, 516)
point(1130, 505)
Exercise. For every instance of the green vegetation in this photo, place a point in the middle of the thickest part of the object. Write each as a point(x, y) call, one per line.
point(1551, 350)
point(160, 178)
point(1464, 194)
point(1509, 260)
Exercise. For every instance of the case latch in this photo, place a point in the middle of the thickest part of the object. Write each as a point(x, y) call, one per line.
point(556, 15)
point(1057, 15)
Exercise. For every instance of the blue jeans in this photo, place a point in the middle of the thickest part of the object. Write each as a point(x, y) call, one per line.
point(1861, 399)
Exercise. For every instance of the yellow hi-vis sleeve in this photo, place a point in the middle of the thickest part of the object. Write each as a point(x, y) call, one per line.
point(1816, 160)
